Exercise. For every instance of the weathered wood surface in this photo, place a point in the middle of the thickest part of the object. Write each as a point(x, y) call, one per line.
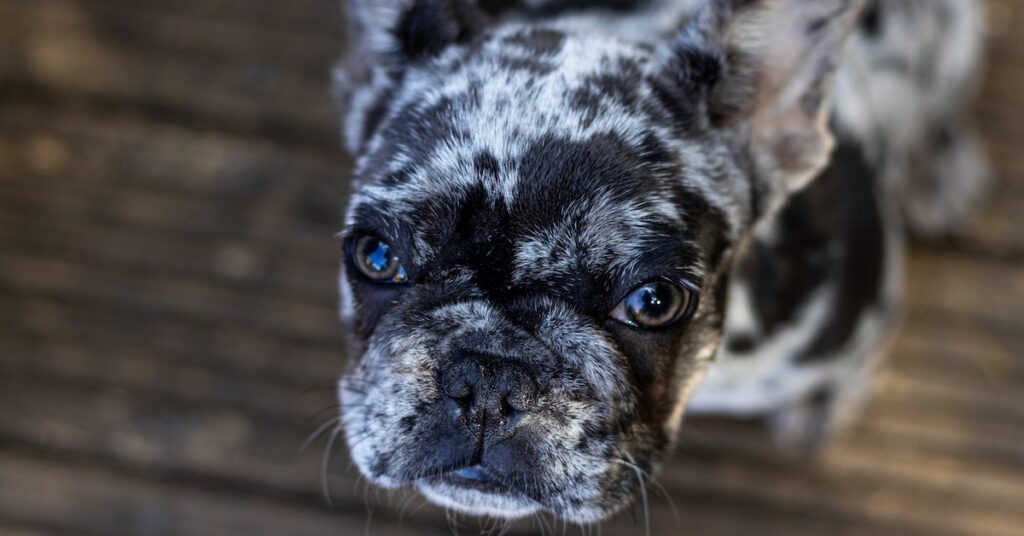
point(169, 189)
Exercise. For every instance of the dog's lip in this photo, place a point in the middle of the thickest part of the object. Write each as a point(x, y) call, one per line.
point(475, 473)
point(475, 477)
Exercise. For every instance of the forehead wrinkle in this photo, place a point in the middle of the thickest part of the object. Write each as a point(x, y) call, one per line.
point(579, 58)
point(490, 104)
point(489, 100)
point(512, 107)
point(602, 235)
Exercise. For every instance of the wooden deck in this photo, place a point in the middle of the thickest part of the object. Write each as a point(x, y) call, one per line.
point(170, 182)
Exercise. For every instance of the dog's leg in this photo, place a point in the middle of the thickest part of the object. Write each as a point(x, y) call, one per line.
point(804, 428)
point(947, 175)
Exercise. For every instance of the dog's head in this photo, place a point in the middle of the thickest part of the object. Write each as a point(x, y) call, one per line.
point(541, 229)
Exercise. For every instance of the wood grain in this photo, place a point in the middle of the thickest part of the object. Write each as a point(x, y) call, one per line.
point(170, 184)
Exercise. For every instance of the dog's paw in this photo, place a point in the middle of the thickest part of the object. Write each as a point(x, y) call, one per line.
point(946, 181)
point(804, 429)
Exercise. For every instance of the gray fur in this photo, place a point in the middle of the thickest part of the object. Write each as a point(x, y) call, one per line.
point(532, 166)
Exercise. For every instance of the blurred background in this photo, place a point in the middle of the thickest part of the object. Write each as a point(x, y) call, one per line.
point(170, 183)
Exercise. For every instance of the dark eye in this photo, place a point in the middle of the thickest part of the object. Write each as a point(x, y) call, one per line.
point(375, 259)
point(654, 305)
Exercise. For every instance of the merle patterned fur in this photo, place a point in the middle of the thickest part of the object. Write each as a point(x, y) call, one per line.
point(530, 162)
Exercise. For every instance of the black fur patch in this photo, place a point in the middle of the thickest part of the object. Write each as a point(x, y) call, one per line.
point(861, 263)
point(538, 41)
point(430, 26)
point(831, 233)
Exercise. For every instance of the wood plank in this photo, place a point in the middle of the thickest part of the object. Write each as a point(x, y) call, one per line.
point(65, 498)
point(994, 228)
point(11, 528)
point(162, 436)
point(839, 496)
point(178, 33)
point(170, 378)
point(39, 142)
point(242, 96)
point(855, 480)
point(297, 16)
point(173, 296)
point(953, 351)
point(221, 260)
point(937, 279)
point(138, 181)
point(226, 349)
point(199, 298)
point(175, 213)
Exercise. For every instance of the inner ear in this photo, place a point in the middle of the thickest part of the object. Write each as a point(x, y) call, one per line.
point(778, 60)
point(427, 27)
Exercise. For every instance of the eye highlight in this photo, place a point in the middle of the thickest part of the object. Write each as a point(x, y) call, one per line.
point(654, 305)
point(376, 260)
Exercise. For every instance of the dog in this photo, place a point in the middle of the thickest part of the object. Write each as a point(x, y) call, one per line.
point(574, 221)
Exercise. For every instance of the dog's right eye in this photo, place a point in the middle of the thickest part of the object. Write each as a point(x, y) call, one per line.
point(375, 259)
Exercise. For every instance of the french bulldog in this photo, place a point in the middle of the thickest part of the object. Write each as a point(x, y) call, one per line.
point(574, 221)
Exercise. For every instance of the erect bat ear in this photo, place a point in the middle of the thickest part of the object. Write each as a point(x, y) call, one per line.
point(401, 31)
point(775, 63)
point(385, 38)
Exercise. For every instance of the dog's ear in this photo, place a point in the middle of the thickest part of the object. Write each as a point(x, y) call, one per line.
point(397, 32)
point(774, 64)
point(385, 37)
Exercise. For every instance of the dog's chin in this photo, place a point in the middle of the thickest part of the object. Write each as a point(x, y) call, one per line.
point(475, 500)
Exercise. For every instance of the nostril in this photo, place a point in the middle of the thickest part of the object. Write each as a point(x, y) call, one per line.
point(458, 391)
point(507, 409)
point(454, 384)
point(517, 401)
point(465, 402)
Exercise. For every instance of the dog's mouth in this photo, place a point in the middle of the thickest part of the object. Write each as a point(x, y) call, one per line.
point(476, 477)
point(475, 489)
point(473, 478)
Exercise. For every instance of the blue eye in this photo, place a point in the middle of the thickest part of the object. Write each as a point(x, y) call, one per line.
point(375, 259)
point(654, 305)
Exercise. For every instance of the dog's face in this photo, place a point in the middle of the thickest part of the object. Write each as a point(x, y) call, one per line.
point(536, 252)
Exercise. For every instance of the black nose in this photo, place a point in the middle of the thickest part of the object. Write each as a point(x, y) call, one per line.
point(483, 388)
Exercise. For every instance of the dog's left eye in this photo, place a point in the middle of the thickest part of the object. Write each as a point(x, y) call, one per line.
point(654, 305)
point(376, 260)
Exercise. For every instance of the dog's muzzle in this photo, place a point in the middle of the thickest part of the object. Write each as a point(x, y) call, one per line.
point(490, 396)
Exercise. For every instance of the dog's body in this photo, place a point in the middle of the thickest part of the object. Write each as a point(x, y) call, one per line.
point(568, 213)
point(816, 296)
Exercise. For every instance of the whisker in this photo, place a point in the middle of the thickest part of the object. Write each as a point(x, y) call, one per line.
point(319, 388)
point(316, 433)
point(651, 481)
point(325, 462)
point(318, 414)
point(643, 493)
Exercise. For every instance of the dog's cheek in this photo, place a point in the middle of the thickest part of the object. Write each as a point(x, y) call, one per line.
point(368, 434)
point(378, 398)
point(595, 424)
point(582, 444)
point(372, 304)
point(616, 449)
point(379, 434)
